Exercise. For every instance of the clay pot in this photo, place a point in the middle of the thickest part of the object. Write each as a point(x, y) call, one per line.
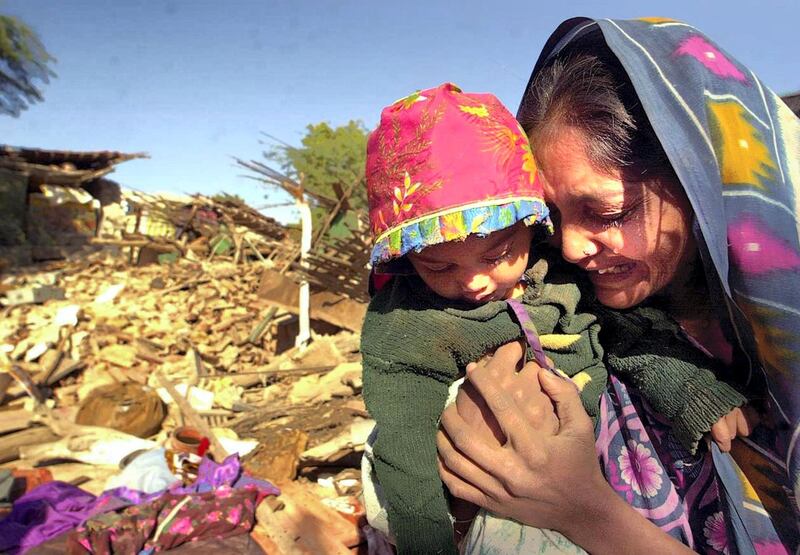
point(186, 439)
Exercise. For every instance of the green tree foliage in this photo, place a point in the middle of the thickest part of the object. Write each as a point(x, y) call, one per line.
point(23, 62)
point(330, 158)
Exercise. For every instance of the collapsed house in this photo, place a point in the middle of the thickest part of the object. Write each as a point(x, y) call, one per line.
point(50, 200)
point(151, 317)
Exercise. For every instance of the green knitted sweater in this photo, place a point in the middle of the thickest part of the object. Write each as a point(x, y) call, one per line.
point(415, 344)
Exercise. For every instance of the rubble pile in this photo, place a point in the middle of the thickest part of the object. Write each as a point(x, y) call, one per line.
point(158, 389)
point(106, 354)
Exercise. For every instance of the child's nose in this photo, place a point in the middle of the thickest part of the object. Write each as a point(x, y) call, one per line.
point(473, 283)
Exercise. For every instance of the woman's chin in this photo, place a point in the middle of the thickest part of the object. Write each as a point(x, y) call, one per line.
point(619, 298)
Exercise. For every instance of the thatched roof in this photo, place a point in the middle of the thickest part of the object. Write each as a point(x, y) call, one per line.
point(62, 167)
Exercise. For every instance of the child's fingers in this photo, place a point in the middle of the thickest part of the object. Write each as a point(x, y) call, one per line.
point(732, 423)
point(721, 435)
point(458, 444)
point(459, 463)
point(742, 426)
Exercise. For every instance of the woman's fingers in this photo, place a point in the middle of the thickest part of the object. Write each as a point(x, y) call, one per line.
point(571, 415)
point(507, 356)
point(503, 364)
point(499, 397)
point(535, 405)
point(476, 414)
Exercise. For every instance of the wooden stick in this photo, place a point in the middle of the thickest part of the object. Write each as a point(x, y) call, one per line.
point(259, 330)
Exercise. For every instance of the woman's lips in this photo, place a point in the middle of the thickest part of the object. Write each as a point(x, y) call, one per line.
point(612, 274)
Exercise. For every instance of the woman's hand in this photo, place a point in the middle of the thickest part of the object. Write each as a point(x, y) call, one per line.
point(503, 446)
point(537, 466)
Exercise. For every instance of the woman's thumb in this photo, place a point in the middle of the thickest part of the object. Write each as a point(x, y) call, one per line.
point(565, 397)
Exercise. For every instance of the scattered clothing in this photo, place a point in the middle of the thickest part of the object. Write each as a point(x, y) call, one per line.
point(147, 472)
point(168, 521)
point(56, 507)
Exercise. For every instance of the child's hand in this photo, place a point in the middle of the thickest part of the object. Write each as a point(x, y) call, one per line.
point(737, 423)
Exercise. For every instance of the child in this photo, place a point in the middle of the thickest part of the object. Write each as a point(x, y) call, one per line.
point(455, 203)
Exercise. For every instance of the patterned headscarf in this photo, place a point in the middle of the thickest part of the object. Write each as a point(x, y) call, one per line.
point(735, 147)
point(442, 165)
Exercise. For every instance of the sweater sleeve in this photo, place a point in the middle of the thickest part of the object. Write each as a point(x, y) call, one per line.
point(406, 404)
point(645, 347)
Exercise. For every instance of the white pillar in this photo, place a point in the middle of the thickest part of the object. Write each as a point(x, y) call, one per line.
point(305, 246)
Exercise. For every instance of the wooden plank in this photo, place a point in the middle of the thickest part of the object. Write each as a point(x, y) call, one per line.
point(327, 306)
point(14, 420)
point(309, 524)
point(325, 519)
point(10, 443)
point(338, 310)
point(277, 456)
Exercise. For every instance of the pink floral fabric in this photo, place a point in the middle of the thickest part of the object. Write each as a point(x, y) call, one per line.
point(169, 521)
point(681, 493)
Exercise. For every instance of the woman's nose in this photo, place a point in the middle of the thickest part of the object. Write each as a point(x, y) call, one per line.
point(577, 245)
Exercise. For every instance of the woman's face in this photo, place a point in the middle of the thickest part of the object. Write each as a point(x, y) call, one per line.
point(632, 238)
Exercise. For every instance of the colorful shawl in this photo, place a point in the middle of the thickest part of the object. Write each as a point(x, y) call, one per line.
point(735, 147)
point(443, 165)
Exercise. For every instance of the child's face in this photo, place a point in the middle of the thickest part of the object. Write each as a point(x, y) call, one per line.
point(478, 269)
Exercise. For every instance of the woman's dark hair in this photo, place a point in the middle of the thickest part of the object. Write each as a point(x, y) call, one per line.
point(586, 88)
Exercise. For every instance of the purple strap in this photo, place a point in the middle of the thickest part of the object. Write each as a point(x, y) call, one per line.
point(531, 336)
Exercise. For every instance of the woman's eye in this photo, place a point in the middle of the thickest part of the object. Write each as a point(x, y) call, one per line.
point(613, 221)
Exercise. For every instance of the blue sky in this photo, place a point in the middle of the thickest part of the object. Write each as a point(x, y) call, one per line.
point(196, 82)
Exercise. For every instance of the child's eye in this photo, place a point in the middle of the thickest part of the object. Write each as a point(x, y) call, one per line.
point(499, 257)
point(439, 268)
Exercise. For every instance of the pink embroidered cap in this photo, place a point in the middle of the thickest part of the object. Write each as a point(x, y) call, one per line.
point(444, 164)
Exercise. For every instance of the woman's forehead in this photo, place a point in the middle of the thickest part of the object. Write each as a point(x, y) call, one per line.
point(567, 170)
point(581, 183)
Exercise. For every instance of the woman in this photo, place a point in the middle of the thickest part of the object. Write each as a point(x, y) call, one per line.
point(674, 171)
